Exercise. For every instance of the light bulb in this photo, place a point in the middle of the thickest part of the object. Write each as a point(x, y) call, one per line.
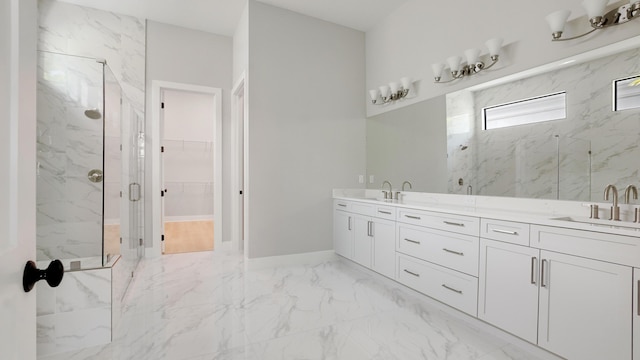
point(373, 94)
point(494, 45)
point(406, 82)
point(472, 56)
point(557, 20)
point(454, 63)
point(394, 86)
point(594, 8)
point(437, 69)
point(384, 91)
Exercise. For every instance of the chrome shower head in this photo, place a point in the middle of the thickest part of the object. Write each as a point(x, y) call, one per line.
point(93, 114)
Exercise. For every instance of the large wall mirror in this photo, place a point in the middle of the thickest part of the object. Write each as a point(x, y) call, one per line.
point(585, 145)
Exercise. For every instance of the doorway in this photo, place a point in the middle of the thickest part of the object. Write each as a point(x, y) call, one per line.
point(188, 218)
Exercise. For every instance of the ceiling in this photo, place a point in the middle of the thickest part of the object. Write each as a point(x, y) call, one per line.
point(221, 16)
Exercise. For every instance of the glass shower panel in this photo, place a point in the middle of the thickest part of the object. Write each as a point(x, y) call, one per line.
point(113, 174)
point(70, 158)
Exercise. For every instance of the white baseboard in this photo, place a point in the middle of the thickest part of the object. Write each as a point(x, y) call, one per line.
point(310, 258)
point(188, 218)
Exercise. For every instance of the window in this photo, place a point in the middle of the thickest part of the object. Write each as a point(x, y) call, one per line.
point(626, 93)
point(526, 111)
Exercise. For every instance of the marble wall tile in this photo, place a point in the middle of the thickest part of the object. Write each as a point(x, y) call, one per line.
point(84, 328)
point(85, 289)
point(596, 146)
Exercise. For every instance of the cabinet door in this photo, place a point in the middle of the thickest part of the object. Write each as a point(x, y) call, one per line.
point(636, 314)
point(342, 233)
point(384, 247)
point(584, 308)
point(362, 240)
point(508, 288)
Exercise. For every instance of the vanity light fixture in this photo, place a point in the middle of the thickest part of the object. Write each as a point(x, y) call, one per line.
point(392, 92)
point(473, 64)
point(597, 17)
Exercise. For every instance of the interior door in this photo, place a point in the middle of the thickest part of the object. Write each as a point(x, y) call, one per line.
point(17, 175)
point(162, 184)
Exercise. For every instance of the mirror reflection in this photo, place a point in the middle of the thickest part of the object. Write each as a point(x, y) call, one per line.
point(570, 158)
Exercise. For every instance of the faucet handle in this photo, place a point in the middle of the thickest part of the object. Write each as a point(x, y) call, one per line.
point(385, 193)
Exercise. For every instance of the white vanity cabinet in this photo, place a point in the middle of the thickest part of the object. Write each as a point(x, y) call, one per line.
point(508, 288)
point(342, 229)
point(572, 306)
point(636, 314)
point(370, 235)
point(584, 307)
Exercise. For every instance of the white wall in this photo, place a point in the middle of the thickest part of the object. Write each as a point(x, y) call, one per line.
point(306, 127)
point(241, 45)
point(194, 57)
point(413, 37)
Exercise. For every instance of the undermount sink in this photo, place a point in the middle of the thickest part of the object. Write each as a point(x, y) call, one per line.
point(601, 223)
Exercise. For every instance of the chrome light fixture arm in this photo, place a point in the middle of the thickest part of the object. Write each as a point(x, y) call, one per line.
point(618, 16)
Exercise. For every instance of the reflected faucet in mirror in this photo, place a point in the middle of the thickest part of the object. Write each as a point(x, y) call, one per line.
point(387, 194)
point(615, 209)
point(632, 189)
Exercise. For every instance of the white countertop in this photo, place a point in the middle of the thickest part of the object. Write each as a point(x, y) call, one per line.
point(532, 211)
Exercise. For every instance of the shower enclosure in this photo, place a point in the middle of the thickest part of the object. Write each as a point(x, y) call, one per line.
point(90, 149)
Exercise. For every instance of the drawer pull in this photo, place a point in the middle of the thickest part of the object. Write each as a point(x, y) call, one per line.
point(384, 212)
point(452, 289)
point(412, 241)
point(453, 252)
point(505, 232)
point(411, 273)
point(453, 223)
point(343, 205)
point(413, 217)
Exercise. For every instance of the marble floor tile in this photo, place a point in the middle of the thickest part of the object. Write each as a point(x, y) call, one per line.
point(205, 306)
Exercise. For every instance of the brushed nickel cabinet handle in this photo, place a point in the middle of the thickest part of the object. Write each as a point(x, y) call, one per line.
point(453, 252)
point(343, 205)
point(452, 289)
point(411, 273)
point(542, 284)
point(453, 223)
point(505, 232)
point(412, 241)
point(384, 212)
point(413, 217)
point(534, 261)
point(638, 297)
point(349, 223)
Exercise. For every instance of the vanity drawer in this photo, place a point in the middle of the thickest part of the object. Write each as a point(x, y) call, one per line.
point(619, 249)
point(455, 223)
point(453, 288)
point(363, 208)
point(507, 231)
point(455, 251)
point(341, 205)
point(385, 212)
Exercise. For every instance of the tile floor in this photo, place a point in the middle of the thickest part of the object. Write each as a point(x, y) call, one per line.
point(204, 306)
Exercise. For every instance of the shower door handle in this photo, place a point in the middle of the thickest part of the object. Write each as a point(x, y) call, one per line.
point(137, 196)
point(52, 275)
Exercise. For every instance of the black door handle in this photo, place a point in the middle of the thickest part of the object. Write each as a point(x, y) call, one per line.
point(53, 274)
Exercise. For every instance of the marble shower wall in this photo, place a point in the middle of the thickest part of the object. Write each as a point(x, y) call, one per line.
point(69, 207)
point(528, 160)
point(69, 144)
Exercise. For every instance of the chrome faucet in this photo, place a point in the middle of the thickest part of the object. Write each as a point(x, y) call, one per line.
point(632, 189)
point(615, 209)
point(387, 194)
point(397, 197)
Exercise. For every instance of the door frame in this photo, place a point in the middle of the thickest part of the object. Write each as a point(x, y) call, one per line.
point(157, 87)
point(239, 158)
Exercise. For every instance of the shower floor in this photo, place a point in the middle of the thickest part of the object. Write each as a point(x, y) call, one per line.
point(188, 236)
